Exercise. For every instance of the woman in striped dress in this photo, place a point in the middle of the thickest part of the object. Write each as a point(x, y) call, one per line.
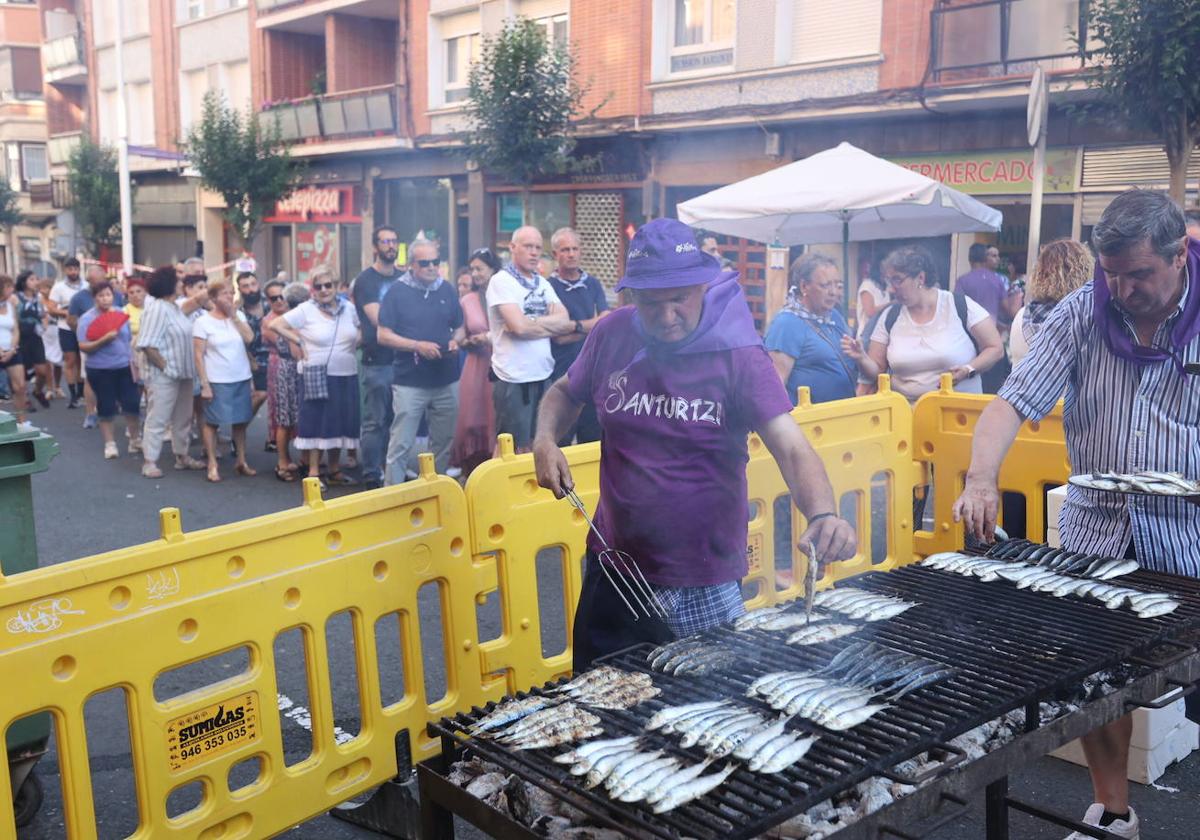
point(283, 400)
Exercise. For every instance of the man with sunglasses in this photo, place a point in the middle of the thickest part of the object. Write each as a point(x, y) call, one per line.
point(375, 366)
point(1124, 349)
point(421, 320)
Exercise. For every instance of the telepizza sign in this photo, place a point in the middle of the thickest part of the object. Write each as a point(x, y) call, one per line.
point(316, 204)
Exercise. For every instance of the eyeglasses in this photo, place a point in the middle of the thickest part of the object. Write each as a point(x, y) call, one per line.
point(479, 253)
point(895, 279)
point(320, 287)
point(426, 263)
point(274, 298)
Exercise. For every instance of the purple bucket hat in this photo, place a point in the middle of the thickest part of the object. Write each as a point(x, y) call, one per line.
point(664, 255)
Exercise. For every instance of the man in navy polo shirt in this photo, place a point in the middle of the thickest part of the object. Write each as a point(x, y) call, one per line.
point(583, 296)
point(421, 320)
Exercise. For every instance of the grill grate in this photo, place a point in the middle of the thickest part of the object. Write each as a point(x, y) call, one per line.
point(1009, 648)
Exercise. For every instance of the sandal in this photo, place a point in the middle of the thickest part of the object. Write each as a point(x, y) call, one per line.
point(284, 474)
point(245, 469)
point(214, 475)
point(338, 479)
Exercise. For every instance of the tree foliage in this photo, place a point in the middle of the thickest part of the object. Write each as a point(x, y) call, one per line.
point(10, 211)
point(95, 193)
point(1147, 69)
point(246, 164)
point(522, 98)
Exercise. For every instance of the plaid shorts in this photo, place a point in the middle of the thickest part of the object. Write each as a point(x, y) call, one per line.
point(691, 609)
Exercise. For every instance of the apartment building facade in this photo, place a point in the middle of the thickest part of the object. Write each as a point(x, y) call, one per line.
point(683, 96)
point(23, 135)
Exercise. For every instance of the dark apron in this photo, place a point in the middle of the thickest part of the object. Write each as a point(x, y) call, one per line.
point(604, 625)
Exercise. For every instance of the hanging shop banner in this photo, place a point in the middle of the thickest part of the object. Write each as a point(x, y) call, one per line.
point(316, 204)
point(1003, 172)
point(315, 245)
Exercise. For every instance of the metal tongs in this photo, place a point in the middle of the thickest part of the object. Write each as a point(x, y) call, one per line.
point(628, 578)
point(810, 581)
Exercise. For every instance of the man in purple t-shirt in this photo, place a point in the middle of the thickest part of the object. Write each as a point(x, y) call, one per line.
point(678, 381)
point(986, 286)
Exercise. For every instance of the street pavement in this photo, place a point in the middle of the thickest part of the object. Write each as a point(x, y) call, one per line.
point(85, 505)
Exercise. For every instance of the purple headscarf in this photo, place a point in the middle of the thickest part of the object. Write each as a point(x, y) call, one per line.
point(1118, 339)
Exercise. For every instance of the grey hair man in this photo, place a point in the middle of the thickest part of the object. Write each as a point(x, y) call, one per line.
point(1123, 348)
point(524, 313)
point(582, 295)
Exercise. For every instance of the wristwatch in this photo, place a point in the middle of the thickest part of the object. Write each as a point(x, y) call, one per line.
point(971, 371)
point(578, 327)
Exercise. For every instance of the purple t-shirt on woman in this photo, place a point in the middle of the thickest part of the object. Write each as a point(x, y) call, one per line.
point(673, 460)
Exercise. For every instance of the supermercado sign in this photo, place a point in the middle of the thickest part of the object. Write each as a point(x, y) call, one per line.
point(991, 173)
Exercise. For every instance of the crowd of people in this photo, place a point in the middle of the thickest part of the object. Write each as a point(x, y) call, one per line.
point(357, 377)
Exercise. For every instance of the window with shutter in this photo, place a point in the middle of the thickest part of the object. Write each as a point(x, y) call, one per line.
point(828, 30)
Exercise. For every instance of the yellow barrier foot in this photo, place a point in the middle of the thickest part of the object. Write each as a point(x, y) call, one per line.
point(393, 810)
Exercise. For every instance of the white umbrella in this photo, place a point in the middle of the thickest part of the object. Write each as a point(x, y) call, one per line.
point(814, 199)
point(842, 194)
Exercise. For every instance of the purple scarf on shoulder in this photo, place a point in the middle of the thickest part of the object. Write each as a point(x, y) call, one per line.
point(1117, 338)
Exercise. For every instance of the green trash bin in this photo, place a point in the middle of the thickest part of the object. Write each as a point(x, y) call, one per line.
point(23, 452)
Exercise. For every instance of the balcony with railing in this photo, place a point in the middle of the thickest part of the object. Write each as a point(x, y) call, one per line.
point(365, 112)
point(64, 61)
point(980, 39)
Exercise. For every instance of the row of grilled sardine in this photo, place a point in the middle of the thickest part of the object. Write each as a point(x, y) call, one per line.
point(723, 729)
point(1061, 560)
point(1143, 604)
point(690, 656)
point(811, 630)
point(630, 774)
point(552, 726)
point(607, 687)
point(860, 604)
point(1147, 481)
point(862, 680)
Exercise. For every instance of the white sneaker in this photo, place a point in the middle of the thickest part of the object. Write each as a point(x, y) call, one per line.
point(454, 472)
point(110, 451)
point(1126, 829)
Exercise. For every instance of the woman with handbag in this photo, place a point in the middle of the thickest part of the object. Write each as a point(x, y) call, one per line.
point(220, 338)
point(325, 328)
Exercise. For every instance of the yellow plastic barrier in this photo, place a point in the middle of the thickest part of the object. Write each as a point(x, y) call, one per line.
point(863, 442)
point(122, 619)
point(512, 519)
point(943, 428)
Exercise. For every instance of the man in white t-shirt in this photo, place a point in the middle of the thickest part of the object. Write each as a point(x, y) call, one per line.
point(523, 314)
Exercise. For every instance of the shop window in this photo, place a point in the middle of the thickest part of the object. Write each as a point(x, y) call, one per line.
point(702, 34)
point(545, 211)
point(419, 206)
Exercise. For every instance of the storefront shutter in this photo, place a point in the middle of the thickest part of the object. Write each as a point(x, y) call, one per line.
point(1130, 166)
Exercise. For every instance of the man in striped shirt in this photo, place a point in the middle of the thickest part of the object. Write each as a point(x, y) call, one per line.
point(1122, 349)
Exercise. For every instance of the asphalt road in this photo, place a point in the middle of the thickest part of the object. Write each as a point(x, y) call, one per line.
point(85, 505)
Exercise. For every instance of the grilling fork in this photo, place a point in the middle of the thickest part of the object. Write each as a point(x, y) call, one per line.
point(623, 572)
